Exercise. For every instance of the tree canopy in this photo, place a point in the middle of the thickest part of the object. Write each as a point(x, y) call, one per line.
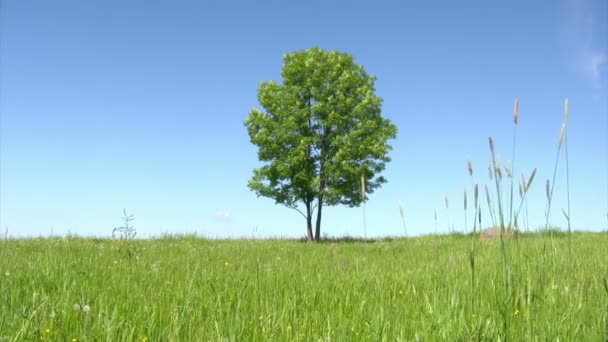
point(318, 133)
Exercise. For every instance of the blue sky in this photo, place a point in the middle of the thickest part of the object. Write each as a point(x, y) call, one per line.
point(106, 105)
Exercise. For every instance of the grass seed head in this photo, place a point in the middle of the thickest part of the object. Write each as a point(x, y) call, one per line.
point(516, 111)
point(498, 170)
point(476, 194)
point(470, 167)
point(508, 170)
point(491, 141)
point(447, 204)
point(531, 179)
point(465, 198)
point(562, 133)
point(548, 190)
point(490, 173)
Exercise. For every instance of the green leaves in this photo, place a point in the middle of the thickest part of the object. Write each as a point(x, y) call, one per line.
point(319, 131)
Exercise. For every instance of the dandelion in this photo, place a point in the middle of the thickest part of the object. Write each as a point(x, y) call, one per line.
point(52, 314)
point(144, 339)
point(516, 313)
point(86, 308)
point(7, 273)
point(47, 331)
point(226, 264)
point(77, 307)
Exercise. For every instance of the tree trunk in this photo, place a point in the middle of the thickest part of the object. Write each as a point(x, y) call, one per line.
point(318, 228)
point(309, 222)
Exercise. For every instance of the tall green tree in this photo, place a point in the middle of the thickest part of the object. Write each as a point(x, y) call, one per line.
point(318, 133)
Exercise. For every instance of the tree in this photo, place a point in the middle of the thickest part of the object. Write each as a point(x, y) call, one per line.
point(318, 133)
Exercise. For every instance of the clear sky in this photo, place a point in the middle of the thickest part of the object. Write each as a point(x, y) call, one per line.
point(106, 105)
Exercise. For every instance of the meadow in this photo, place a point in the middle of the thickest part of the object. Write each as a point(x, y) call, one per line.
point(194, 289)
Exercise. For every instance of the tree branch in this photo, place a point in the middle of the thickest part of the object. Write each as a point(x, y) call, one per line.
point(312, 211)
point(298, 210)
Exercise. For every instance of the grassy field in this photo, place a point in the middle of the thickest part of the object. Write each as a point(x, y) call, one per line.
point(190, 289)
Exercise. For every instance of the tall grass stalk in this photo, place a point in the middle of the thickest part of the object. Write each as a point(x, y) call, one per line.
point(566, 119)
point(497, 178)
point(551, 185)
point(512, 171)
point(525, 187)
point(473, 237)
point(490, 205)
point(522, 187)
point(506, 262)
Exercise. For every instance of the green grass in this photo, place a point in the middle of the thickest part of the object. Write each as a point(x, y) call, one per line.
point(192, 289)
